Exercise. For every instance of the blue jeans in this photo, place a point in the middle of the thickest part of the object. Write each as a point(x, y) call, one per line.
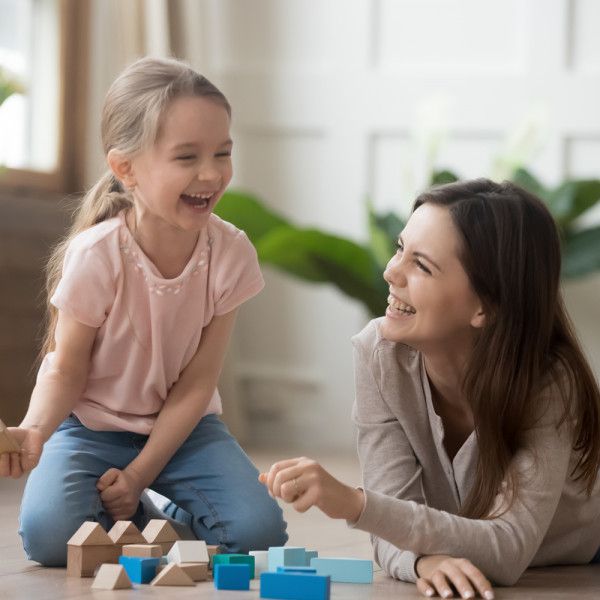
point(211, 482)
point(596, 559)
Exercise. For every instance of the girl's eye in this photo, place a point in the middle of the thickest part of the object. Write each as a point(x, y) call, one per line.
point(422, 267)
point(186, 157)
point(223, 154)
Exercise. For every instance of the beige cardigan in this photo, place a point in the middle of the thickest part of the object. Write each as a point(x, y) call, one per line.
point(414, 492)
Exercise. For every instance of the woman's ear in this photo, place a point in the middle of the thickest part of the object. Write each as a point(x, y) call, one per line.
point(122, 168)
point(479, 318)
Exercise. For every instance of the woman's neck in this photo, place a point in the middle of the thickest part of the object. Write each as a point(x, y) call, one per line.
point(446, 371)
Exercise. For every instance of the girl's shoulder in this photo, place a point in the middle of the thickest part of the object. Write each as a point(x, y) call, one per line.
point(101, 235)
point(223, 232)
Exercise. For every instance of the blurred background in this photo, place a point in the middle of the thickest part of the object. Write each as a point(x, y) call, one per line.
point(342, 111)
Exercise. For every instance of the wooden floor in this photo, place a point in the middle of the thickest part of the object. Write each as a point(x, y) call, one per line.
point(21, 579)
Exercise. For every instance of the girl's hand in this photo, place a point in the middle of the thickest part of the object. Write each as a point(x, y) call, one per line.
point(304, 483)
point(15, 464)
point(120, 492)
point(443, 575)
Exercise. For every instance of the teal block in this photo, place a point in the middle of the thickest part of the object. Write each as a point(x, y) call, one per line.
point(344, 570)
point(286, 556)
point(310, 554)
point(294, 586)
point(139, 569)
point(234, 559)
point(231, 577)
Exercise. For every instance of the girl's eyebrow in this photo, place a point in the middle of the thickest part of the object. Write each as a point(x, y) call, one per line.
point(185, 145)
point(421, 255)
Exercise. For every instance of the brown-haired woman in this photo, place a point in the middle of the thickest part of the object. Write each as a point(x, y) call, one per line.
point(478, 416)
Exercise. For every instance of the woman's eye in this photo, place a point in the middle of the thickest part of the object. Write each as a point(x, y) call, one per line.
point(399, 247)
point(422, 267)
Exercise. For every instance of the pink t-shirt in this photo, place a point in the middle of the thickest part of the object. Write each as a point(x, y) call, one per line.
point(149, 327)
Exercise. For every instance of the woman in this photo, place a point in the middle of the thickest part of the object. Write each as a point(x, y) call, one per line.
point(478, 416)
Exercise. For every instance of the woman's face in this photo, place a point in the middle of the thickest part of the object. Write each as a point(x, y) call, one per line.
point(431, 305)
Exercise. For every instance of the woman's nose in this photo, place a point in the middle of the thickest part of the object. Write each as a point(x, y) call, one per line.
point(394, 272)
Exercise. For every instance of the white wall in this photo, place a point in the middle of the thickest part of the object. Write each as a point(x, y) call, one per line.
point(327, 95)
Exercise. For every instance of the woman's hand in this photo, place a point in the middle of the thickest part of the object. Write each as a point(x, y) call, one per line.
point(443, 575)
point(120, 492)
point(15, 464)
point(304, 483)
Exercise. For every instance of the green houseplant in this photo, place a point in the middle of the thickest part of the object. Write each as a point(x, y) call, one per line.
point(356, 268)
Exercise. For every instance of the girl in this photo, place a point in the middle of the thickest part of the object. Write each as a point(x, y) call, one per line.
point(478, 417)
point(143, 296)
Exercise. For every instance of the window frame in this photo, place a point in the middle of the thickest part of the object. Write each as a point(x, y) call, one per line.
point(74, 20)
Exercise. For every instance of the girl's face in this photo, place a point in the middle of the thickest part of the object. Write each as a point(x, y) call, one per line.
point(179, 180)
point(431, 305)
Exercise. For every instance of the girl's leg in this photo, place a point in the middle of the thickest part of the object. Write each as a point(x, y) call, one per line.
point(61, 494)
point(215, 489)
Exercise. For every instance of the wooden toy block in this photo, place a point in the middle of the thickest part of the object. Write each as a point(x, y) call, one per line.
point(286, 556)
point(299, 570)
point(160, 531)
point(140, 570)
point(188, 551)
point(344, 570)
point(197, 571)
point(142, 550)
point(7, 441)
point(261, 561)
point(235, 559)
point(125, 532)
point(310, 554)
point(294, 586)
point(212, 550)
point(88, 548)
point(111, 577)
point(232, 577)
point(172, 574)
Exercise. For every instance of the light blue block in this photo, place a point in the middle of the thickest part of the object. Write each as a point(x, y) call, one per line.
point(299, 570)
point(232, 577)
point(310, 554)
point(344, 570)
point(294, 586)
point(139, 569)
point(286, 556)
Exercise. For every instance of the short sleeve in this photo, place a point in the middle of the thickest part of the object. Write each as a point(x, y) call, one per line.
point(238, 276)
point(86, 290)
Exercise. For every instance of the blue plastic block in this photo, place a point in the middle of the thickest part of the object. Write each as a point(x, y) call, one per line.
point(286, 556)
point(139, 569)
point(294, 586)
point(345, 570)
point(309, 555)
point(235, 559)
point(299, 570)
point(232, 577)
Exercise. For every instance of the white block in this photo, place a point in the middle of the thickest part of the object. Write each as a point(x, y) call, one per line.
point(188, 551)
point(261, 561)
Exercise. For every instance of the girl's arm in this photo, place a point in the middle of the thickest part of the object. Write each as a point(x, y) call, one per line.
point(186, 402)
point(55, 393)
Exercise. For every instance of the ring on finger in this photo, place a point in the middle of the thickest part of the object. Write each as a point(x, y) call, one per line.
point(296, 487)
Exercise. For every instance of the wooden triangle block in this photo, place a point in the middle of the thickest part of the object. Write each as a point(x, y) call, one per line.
point(7, 441)
point(90, 534)
point(111, 577)
point(158, 531)
point(125, 532)
point(172, 575)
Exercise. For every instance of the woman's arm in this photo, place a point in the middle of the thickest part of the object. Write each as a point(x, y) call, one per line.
point(55, 393)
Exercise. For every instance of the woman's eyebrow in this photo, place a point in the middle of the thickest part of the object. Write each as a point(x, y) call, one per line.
point(421, 255)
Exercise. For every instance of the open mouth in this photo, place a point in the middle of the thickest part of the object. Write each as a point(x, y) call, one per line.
point(400, 307)
point(198, 201)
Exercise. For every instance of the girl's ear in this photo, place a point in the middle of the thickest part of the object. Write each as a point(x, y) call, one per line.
point(122, 168)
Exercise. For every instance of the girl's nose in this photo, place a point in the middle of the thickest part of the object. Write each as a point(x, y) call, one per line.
point(208, 174)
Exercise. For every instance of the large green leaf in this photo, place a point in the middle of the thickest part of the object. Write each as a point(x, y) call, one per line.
point(443, 176)
point(572, 198)
point(250, 214)
point(381, 242)
point(581, 253)
point(527, 181)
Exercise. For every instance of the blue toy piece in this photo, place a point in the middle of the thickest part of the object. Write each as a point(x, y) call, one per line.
point(294, 586)
point(140, 569)
point(310, 554)
point(344, 570)
point(299, 570)
point(232, 577)
point(235, 559)
point(286, 556)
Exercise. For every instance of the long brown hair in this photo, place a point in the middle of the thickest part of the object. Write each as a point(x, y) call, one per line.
point(511, 254)
point(131, 117)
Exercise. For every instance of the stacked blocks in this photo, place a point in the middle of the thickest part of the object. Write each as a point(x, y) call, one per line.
point(88, 548)
point(286, 556)
point(235, 559)
point(140, 570)
point(232, 576)
point(294, 586)
point(344, 570)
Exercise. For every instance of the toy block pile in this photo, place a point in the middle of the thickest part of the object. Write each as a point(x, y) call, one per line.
point(156, 556)
point(125, 555)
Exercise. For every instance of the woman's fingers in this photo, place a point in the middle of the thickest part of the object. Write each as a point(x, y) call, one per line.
point(459, 580)
point(425, 587)
point(441, 585)
point(15, 465)
point(482, 585)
